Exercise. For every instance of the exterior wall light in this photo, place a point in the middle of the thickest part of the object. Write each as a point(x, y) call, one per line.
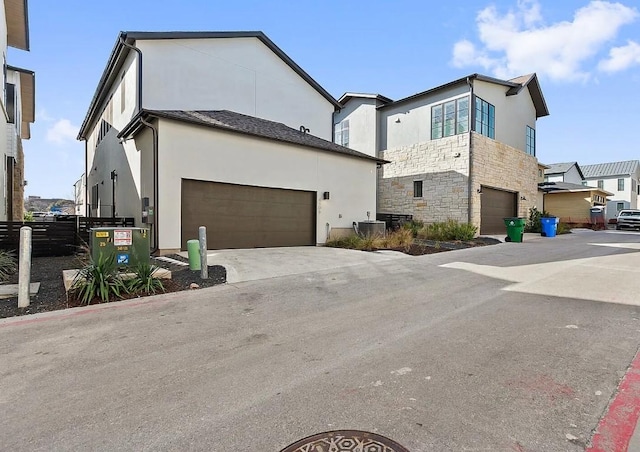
point(325, 195)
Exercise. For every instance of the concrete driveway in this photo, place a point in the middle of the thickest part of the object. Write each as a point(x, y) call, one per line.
point(479, 349)
point(263, 263)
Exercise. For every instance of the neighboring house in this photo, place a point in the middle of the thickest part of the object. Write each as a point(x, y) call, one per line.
point(79, 191)
point(568, 172)
point(18, 106)
point(571, 202)
point(224, 130)
point(464, 150)
point(621, 179)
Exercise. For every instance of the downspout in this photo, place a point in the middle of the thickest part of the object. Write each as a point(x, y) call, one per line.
point(472, 119)
point(87, 204)
point(124, 42)
point(154, 131)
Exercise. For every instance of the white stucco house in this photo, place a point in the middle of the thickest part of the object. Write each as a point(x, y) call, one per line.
point(220, 129)
point(18, 105)
point(464, 150)
point(622, 179)
point(568, 172)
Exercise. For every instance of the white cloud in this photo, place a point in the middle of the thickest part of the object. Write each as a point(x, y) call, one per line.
point(43, 115)
point(621, 58)
point(62, 132)
point(519, 42)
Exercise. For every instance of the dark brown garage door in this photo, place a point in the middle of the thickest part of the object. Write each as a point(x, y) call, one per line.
point(242, 216)
point(495, 205)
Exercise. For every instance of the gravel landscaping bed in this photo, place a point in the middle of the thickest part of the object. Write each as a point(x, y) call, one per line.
point(52, 296)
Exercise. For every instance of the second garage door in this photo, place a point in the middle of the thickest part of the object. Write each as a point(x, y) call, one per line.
point(495, 205)
point(243, 216)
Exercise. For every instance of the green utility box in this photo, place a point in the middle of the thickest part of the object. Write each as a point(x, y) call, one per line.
point(128, 246)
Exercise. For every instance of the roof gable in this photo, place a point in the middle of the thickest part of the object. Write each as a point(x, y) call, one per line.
point(120, 51)
point(562, 168)
point(514, 87)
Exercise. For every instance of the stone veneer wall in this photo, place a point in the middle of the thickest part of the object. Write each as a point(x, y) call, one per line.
point(442, 166)
point(500, 166)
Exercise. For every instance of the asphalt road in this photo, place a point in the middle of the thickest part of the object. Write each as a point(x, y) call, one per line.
point(513, 347)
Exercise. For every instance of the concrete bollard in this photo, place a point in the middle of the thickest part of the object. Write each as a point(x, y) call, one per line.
point(24, 267)
point(204, 265)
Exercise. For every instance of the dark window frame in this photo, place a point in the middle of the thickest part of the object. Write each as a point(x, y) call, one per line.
point(485, 120)
point(417, 189)
point(530, 145)
point(453, 121)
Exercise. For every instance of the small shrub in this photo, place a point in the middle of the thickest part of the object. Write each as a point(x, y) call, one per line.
point(414, 226)
point(28, 216)
point(370, 242)
point(350, 242)
point(402, 238)
point(8, 265)
point(99, 280)
point(144, 281)
point(448, 230)
point(533, 222)
point(563, 228)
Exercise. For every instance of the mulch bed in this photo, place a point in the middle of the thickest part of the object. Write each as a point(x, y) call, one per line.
point(52, 296)
point(421, 247)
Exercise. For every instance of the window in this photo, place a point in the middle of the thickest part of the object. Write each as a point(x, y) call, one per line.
point(450, 118)
point(619, 206)
point(485, 118)
point(620, 184)
point(341, 133)
point(123, 93)
point(584, 182)
point(94, 196)
point(531, 141)
point(10, 92)
point(633, 186)
point(417, 189)
point(601, 184)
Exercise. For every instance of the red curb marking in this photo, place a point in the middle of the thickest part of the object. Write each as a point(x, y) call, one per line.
point(616, 428)
point(84, 311)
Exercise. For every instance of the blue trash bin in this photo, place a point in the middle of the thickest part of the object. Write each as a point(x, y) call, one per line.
point(549, 226)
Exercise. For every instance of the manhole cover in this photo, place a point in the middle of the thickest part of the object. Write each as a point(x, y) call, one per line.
point(345, 441)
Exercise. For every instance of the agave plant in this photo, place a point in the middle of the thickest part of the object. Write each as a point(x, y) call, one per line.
point(8, 265)
point(144, 280)
point(99, 280)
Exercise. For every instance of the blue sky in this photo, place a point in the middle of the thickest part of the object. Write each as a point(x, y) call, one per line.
point(586, 53)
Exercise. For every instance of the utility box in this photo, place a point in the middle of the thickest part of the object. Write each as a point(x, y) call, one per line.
point(128, 247)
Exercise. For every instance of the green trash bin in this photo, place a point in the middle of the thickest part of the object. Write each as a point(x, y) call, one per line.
point(193, 250)
point(515, 229)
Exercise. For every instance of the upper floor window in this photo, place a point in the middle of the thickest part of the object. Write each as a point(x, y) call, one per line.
point(485, 118)
point(450, 118)
point(601, 184)
point(584, 182)
point(620, 184)
point(10, 103)
point(123, 93)
point(341, 133)
point(531, 141)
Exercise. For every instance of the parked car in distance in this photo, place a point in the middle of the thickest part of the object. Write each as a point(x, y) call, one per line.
point(628, 219)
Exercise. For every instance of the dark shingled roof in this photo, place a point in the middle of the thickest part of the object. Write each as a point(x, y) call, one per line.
point(249, 125)
point(611, 169)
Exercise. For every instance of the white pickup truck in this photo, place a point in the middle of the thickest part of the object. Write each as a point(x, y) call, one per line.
point(628, 219)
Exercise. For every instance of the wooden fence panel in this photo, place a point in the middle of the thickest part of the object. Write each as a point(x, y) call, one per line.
point(56, 238)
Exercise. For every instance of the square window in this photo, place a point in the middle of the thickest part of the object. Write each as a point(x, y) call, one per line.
point(417, 189)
